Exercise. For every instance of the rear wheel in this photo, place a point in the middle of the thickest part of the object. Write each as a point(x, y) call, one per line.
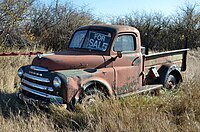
point(171, 82)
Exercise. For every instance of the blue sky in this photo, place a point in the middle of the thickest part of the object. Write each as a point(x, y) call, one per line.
point(120, 7)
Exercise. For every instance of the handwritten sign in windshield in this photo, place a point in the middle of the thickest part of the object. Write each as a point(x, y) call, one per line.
point(98, 41)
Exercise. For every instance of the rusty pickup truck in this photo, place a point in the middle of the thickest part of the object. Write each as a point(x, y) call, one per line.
point(106, 60)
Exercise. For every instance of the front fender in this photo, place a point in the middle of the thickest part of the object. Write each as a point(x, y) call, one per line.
point(79, 79)
point(101, 81)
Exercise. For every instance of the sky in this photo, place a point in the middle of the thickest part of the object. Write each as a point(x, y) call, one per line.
point(103, 8)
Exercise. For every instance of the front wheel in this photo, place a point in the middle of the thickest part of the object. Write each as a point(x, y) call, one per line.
point(91, 95)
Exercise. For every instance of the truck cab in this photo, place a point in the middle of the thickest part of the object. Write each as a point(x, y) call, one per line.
point(100, 59)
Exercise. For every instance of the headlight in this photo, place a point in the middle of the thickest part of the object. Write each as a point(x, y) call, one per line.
point(20, 72)
point(57, 82)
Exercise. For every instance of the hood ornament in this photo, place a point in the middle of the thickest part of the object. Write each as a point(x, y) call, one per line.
point(42, 55)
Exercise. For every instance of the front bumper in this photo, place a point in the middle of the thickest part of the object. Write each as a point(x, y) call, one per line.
point(56, 100)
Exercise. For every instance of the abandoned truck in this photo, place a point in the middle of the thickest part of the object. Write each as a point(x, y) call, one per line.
point(100, 60)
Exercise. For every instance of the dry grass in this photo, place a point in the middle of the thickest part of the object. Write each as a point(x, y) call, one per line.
point(193, 69)
point(171, 111)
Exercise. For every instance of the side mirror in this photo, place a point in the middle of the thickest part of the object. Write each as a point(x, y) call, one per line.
point(119, 54)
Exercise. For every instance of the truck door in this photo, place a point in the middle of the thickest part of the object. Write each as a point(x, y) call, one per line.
point(127, 68)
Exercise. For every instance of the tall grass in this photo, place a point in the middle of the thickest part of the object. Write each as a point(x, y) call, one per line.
point(177, 110)
point(193, 69)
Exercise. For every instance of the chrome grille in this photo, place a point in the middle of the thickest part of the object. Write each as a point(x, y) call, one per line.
point(36, 78)
point(37, 83)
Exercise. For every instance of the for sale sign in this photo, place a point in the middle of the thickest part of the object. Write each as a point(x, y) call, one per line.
point(98, 41)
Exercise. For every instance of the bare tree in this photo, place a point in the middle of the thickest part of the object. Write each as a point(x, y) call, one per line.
point(13, 14)
point(152, 26)
point(159, 32)
point(186, 23)
point(52, 26)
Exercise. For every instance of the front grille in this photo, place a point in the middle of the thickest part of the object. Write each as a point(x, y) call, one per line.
point(36, 84)
point(36, 78)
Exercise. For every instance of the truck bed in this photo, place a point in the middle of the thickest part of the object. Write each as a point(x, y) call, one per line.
point(177, 57)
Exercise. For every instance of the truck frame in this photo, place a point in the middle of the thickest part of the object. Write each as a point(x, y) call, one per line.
point(101, 60)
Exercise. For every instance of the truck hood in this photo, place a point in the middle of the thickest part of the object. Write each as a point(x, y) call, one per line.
point(60, 61)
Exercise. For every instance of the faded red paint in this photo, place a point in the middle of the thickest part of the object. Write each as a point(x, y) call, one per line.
point(67, 62)
point(119, 75)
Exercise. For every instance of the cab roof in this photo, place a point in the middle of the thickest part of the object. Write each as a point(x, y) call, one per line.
point(110, 28)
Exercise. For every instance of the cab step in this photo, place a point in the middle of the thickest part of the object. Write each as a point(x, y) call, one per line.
point(144, 89)
point(147, 88)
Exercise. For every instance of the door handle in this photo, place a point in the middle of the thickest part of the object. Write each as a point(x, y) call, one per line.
point(134, 60)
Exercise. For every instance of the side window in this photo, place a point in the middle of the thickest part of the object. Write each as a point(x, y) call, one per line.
point(124, 43)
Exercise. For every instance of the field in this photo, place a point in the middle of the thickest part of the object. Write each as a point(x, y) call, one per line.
point(177, 110)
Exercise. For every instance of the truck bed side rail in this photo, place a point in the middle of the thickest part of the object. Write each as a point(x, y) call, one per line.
point(167, 53)
point(175, 57)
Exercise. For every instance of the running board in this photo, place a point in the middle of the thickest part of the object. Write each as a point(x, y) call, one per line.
point(143, 89)
point(149, 88)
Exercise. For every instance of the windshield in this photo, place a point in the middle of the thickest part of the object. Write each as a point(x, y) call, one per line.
point(91, 40)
